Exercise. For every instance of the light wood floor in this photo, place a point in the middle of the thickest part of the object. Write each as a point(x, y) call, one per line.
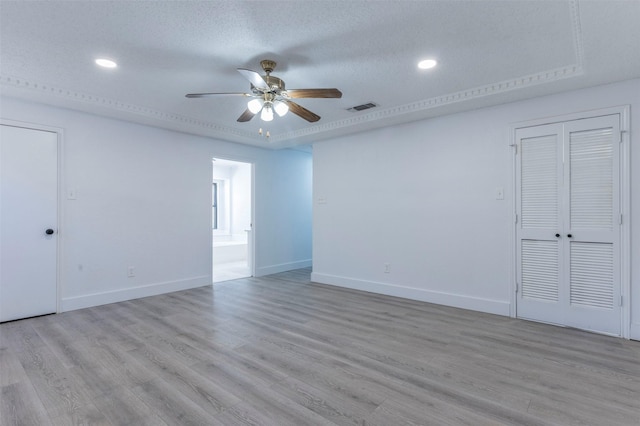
point(230, 271)
point(280, 350)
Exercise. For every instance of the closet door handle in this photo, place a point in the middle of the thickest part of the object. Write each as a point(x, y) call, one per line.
point(557, 235)
point(569, 235)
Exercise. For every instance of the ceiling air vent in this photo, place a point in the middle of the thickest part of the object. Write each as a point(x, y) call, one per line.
point(362, 107)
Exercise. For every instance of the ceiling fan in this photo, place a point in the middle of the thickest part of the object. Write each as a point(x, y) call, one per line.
point(269, 95)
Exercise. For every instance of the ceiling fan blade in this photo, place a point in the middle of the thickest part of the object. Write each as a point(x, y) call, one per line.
point(204, 95)
point(254, 78)
point(314, 93)
point(302, 112)
point(246, 116)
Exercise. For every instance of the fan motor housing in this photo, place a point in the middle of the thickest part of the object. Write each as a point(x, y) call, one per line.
point(275, 83)
point(268, 65)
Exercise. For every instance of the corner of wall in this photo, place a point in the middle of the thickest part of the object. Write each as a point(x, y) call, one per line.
point(635, 331)
point(282, 267)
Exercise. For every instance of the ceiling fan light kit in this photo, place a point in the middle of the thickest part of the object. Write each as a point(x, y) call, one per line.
point(269, 95)
point(281, 108)
point(267, 112)
point(267, 108)
point(254, 105)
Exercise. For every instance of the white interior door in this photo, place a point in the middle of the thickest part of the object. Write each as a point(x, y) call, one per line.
point(539, 177)
point(592, 224)
point(28, 222)
point(568, 233)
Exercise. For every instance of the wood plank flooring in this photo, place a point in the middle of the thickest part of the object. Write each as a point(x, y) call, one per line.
point(280, 350)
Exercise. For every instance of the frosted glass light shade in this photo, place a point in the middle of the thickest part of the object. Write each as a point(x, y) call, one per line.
point(254, 105)
point(267, 113)
point(281, 108)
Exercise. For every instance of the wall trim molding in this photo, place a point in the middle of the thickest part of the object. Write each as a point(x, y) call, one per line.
point(440, 298)
point(282, 267)
point(113, 104)
point(121, 295)
point(548, 76)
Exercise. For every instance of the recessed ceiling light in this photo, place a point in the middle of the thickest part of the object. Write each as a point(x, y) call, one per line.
point(106, 63)
point(427, 63)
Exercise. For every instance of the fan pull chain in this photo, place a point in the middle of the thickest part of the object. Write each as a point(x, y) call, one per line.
point(267, 134)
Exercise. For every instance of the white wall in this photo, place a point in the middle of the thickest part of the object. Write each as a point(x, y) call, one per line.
point(144, 200)
point(241, 200)
point(422, 197)
point(289, 220)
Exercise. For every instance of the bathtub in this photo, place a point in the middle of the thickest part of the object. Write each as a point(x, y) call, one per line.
point(229, 249)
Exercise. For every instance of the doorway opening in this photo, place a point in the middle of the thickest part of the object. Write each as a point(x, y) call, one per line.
point(231, 220)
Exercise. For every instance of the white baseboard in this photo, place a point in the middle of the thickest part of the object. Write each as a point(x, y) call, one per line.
point(97, 299)
point(282, 267)
point(440, 298)
point(634, 333)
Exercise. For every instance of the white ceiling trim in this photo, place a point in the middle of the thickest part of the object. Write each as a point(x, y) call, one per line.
point(184, 123)
point(423, 105)
point(577, 33)
point(113, 104)
point(439, 101)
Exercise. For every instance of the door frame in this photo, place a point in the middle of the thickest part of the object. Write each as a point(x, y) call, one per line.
point(59, 197)
point(625, 204)
point(251, 241)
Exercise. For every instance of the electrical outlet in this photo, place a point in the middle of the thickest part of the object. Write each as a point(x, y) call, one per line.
point(387, 268)
point(131, 271)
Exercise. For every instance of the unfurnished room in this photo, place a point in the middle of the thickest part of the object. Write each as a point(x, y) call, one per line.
point(320, 212)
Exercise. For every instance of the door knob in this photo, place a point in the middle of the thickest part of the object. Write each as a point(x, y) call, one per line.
point(569, 235)
point(557, 235)
point(49, 231)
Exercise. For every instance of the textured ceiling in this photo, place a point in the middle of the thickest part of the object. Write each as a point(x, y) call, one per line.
point(489, 52)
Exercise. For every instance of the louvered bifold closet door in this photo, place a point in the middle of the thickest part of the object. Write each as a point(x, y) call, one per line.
point(539, 173)
point(591, 213)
